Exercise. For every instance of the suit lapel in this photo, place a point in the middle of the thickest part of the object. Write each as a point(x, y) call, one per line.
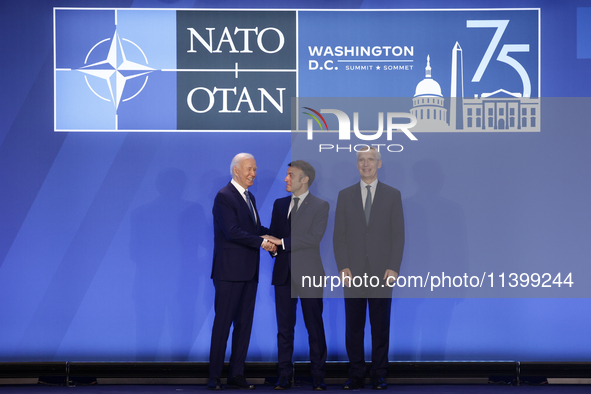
point(284, 207)
point(254, 206)
point(358, 204)
point(377, 203)
point(242, 203)
point(301, 209)
point(283, 211)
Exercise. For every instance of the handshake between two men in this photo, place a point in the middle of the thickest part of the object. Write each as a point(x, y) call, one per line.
point(270, 243)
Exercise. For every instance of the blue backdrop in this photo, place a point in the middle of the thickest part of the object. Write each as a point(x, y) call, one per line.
point(106, 237)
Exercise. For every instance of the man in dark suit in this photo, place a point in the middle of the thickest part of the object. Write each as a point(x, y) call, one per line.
point(299, 222)
point(368, 240)
point(235, 272)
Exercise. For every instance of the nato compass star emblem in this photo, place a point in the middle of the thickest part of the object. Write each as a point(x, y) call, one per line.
point(115, 71)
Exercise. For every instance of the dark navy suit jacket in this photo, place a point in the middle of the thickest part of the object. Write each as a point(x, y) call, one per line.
point(380, 242)
point(301, 239)
point(237, 240)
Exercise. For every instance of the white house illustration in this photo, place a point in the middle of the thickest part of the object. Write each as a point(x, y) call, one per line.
point(501, 111)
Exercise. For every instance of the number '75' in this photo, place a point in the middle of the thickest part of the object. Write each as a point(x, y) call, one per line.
point(504, 57)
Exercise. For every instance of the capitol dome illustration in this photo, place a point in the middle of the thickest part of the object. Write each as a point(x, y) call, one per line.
point(428, 103)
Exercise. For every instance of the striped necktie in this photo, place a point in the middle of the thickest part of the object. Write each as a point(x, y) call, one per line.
point(249, 203)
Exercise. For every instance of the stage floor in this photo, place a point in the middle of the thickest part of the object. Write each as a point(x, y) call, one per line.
point(394, 389)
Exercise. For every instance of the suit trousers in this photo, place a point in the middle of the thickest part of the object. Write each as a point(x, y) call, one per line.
point(379, 319)
point(234, 305)
point(286, 307)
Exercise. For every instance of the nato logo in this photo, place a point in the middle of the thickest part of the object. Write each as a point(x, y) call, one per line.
point(169, 70)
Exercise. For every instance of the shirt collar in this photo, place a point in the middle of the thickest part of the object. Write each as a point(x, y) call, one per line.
point(373, 185)
point(240, 189)
point(302, 196)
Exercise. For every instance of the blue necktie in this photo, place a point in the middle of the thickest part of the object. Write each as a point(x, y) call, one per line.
point(249, 203)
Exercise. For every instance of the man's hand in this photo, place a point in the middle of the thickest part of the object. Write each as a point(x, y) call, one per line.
point(346, 277)
point(390, 277)
point(268, 245)
point(273, 240)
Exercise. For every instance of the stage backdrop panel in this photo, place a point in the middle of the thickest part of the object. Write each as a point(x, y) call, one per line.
point(119, 120)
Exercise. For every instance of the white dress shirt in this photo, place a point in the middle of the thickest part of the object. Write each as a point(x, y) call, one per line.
point(241, 190)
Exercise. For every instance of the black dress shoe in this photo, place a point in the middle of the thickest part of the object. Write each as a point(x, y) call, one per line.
point(318, 384)
point(215, 384)
point(379, 383)
point(354, 384)
point(284, 383)
point(239, 382)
